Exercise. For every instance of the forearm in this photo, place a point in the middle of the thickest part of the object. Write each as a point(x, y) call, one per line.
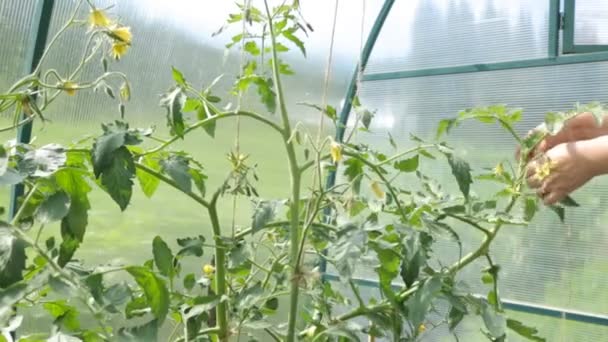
point(584, 126)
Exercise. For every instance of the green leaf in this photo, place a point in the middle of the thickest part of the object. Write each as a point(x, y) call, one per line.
point(177, 167)
point(353, 172)
point(462, 171)
point(53, 208)
point(173, 101)
point(494, 321)
point(272, 304)
point(289, 34)
point(75, 185)
point(154, 289)
point(266, 93)
point(444, 127)
point(12, 256)
point(408, 165)
point(3, 160)
point(163, 257)
point(191, 246)
point(569, 202)
point(146, 332)
point(420, 303)
point(530, 208)
point(68, 247)
point(366, 118)
point(148, 182)
point(65, 315)
point(199, 179)
point(252, 47)
point(524, 331)
point(191, 105)
point(115, 136)
point(189, 281)
point(137, 307)
point(263, 212)
point(117, 178)
point(94, 283)
point(559, 211)
point(204, 113)
point(391, 140)
point(455, 316)
point(178, 77)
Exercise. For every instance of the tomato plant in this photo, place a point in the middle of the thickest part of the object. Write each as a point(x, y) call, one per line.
point(367, 219)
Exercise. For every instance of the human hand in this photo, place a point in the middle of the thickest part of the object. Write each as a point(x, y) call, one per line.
point(566, 167)
point(581, 127)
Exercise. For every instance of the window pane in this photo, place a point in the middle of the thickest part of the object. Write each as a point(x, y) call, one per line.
point(591, 22)
point(421, 34)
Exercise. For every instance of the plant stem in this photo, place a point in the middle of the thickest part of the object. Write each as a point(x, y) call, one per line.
point(295, 174)
point(220, 269)
point(469, 222)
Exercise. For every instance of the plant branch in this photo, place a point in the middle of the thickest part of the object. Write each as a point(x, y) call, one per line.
point(172, 183)
point(214, 118)
point(469, 222)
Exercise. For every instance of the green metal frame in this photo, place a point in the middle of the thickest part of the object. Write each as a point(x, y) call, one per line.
point(352, 89)
point(569, 35)
point(38, 38)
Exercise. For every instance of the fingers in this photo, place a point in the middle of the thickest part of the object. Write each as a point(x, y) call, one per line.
point(552, 198)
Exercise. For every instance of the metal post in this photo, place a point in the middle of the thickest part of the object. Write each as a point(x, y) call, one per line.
point(352, 91)
point(38, 38)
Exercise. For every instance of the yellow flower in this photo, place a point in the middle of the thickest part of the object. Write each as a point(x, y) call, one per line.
point(336, 152)
point(499, 170)
point(70, 87)
point(208, 269)
point(544, 170)
point(121, 33)
point(98, 18)
point(377, 189)
point(119, 49)
point(421, 328)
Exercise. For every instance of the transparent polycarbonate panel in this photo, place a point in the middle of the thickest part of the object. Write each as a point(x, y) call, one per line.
point(179, 34)
point(591, 22)
point(16, 44)
point(550, 263)
point(16, 23)
point(552, 329)
point(422, 34)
